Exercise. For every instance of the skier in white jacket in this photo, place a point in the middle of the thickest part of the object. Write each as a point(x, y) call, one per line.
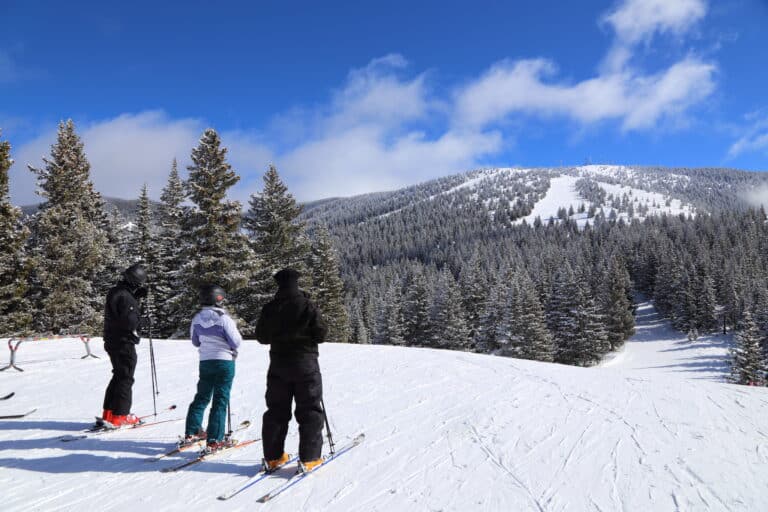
point(215, 334)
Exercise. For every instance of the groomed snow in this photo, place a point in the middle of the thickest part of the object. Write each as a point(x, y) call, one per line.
point(444, 431)
point(561, 194)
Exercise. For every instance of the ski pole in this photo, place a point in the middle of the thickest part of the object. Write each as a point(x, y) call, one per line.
point(328, 428)
point(153, 366)
point(229, 420)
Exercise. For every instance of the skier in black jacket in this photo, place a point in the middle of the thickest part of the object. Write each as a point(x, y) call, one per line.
point(293, 327)
point(121, 323)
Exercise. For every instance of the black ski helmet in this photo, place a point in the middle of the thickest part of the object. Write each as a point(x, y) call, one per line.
point(135, 275)
point(211, 295)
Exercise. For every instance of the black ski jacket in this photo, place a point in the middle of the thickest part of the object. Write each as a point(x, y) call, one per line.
point(291, 324)
point(121, 316)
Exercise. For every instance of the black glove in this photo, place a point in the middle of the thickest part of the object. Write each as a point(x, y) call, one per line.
point(140, 293)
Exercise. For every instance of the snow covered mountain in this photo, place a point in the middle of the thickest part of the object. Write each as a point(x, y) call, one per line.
point(634, 192)
point(655, 428)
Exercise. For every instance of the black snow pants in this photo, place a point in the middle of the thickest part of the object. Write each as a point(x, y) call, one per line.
point(119, 395)
point(292, 378)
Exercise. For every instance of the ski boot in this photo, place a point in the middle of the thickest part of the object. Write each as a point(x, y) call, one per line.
point(124, 420)
point(215, 446)
point(190, 439)
point(275, 464)
point(106, 418)
point(310, 465)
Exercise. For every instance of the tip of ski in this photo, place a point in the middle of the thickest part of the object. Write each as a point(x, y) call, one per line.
point(17, 416)
point(9, 395)
point(280, 489)
point(258, 477)
point(205, 456)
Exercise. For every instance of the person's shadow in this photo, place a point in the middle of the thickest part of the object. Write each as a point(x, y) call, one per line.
point(114, 446)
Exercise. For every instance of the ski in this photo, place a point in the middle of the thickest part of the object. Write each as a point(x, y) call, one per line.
point(17, 416)
point(258, 477)
point(298, 477)
point(104, 430)
point(206, 456)
point(182, 448)
point(9, 395)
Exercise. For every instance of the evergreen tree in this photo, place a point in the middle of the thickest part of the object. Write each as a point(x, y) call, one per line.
point(146, 251)
point(391, 325)
point(71, 249)
point(591, 338)
point(561, 316)
point(216, 251)
point(169, 288)
point(359, 330)
point(527, 331)
point(748, 364)
point(473, 292)
point(486, 339)
point(416, 310)
point(277, 238)
point(449, 328)
point(15, 313)
point(617, 308)
point(328, 287)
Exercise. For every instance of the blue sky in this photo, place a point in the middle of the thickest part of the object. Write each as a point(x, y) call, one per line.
point(353, 97)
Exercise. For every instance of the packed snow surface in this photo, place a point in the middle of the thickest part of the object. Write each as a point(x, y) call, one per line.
point(654, 430)
point(561, 194)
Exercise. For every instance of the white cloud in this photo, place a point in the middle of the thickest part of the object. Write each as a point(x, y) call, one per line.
point(754, 137)
point(361, 160)
point(758, 197)
point(132, 149)
point(638, 20)
point(619, 92)
point(124, 153)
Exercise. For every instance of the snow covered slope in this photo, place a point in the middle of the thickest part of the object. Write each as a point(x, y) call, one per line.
point(444, 431)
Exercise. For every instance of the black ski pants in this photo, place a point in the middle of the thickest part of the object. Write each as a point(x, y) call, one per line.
point(291, 379)
point(119, 395)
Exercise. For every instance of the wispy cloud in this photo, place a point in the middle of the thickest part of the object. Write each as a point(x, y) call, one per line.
point(754, 135)
point(638, 100)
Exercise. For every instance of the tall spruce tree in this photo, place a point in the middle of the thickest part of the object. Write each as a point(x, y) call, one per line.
point(328, 287)
point(748, 363)
point(217, 251)
point(416, 306)
point(146, 251)
point(524, 325)
point(617, 308)
point(71, 249)
point(449, 327)
point(170, 289)
point(15, 313)
point(391, 325)
point(561, 316)
point(277, 238)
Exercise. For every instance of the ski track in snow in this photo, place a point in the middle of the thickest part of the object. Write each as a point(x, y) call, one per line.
point(653, 428)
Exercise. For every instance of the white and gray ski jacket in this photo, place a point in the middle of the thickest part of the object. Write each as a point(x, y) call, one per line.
point(215, 334)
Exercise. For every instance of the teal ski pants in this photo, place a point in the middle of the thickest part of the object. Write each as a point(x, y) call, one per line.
point(215, 382)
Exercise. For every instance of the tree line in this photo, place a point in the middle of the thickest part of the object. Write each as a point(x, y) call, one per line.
point(57, 264)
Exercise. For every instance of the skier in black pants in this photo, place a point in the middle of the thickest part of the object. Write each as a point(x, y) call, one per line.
point(121, 322)
point(293, 327)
